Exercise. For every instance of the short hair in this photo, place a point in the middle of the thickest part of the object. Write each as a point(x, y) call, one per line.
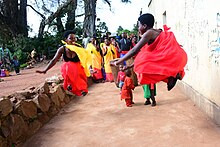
point(147, 19)
point(66, 33)
point(128, 72)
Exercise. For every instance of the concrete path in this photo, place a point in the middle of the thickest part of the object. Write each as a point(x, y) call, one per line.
point(101, 119)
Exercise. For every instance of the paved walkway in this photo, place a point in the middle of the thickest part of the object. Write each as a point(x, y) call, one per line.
point(101, 119)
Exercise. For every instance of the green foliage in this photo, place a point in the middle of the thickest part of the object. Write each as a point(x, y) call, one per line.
point(22, 46)
point(124, 30)
point(134, 31)
point(23, 65)
point(120, 30)
point(22, 56)
point(101, 28)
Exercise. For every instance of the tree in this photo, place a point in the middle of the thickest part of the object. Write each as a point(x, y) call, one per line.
point(70, 24)
point(56, 15)
point(101, 28)
point(90, 17)
point(13, 18)
point(120, 29)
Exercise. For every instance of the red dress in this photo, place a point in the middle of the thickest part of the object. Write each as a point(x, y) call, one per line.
point(74, 75)
point(160, 60)
point(127, 88)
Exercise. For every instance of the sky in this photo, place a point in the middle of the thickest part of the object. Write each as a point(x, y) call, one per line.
point(121, 14)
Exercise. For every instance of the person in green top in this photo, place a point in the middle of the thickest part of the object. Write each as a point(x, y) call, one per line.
point(149, 93)
point(5, 57)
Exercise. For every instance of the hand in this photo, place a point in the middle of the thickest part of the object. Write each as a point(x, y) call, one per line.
point(41, 71)
point(113, 63)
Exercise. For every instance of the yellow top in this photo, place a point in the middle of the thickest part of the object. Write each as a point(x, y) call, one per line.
point(110, 55)
point(95, 57)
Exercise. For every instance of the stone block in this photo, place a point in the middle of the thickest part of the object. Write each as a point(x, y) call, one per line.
point(6, 107)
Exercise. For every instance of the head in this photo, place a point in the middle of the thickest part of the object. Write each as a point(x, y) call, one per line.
point(128, 72)
point(134, 39)
point(92, 40)
point(124, 35)
point(145, 22)
point(120, 67)
point(113, 40)
point(107, 41)
point(69, 37)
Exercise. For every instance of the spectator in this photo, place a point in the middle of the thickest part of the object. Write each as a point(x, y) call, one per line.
point(16, 65)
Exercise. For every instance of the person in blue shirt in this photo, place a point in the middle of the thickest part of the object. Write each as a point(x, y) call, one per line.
point(16, 65)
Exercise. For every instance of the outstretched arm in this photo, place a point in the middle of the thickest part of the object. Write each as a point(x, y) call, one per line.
point(145, 38)
point(53, 61)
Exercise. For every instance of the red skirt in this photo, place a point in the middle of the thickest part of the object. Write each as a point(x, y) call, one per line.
point(74, 75)
point(109, 77)
point(160, 60)
point(97, 75)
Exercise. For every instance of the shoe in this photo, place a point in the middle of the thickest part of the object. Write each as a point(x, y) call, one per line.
point(147, 102)
point(171, 83)
point(153, 103)
point(129, 105)
point(178, 76)
point(84, 93)
point(132, 103)
point(69, 88)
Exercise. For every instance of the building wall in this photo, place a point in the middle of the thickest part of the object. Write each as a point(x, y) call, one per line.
point(196, 25)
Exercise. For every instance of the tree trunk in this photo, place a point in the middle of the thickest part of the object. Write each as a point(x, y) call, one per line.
point(71, 14)
point(22, 22)
point(13, 18)
point(90, 17)
point(10, 17)
point(60, 27)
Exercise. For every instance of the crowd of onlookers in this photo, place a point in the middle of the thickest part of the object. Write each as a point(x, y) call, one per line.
point(106, 49)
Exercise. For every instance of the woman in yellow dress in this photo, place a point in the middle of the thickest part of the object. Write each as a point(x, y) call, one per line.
point(109, 53)
point(95, 60)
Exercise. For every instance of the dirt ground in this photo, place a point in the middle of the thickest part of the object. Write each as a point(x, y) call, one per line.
point(27, 78)
point(102, 119)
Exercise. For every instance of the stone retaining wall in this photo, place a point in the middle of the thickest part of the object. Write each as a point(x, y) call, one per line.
point(23, 113)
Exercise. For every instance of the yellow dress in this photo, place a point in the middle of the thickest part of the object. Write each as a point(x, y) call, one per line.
point(95, 61)
point(110, 55)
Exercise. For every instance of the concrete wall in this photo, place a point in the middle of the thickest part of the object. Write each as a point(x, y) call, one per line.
point(196, 25)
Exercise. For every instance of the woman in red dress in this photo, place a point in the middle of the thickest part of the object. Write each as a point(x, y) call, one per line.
point(159, 56)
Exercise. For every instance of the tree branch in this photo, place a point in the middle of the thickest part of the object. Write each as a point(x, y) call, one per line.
point(36, 11)
point(54, 15)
